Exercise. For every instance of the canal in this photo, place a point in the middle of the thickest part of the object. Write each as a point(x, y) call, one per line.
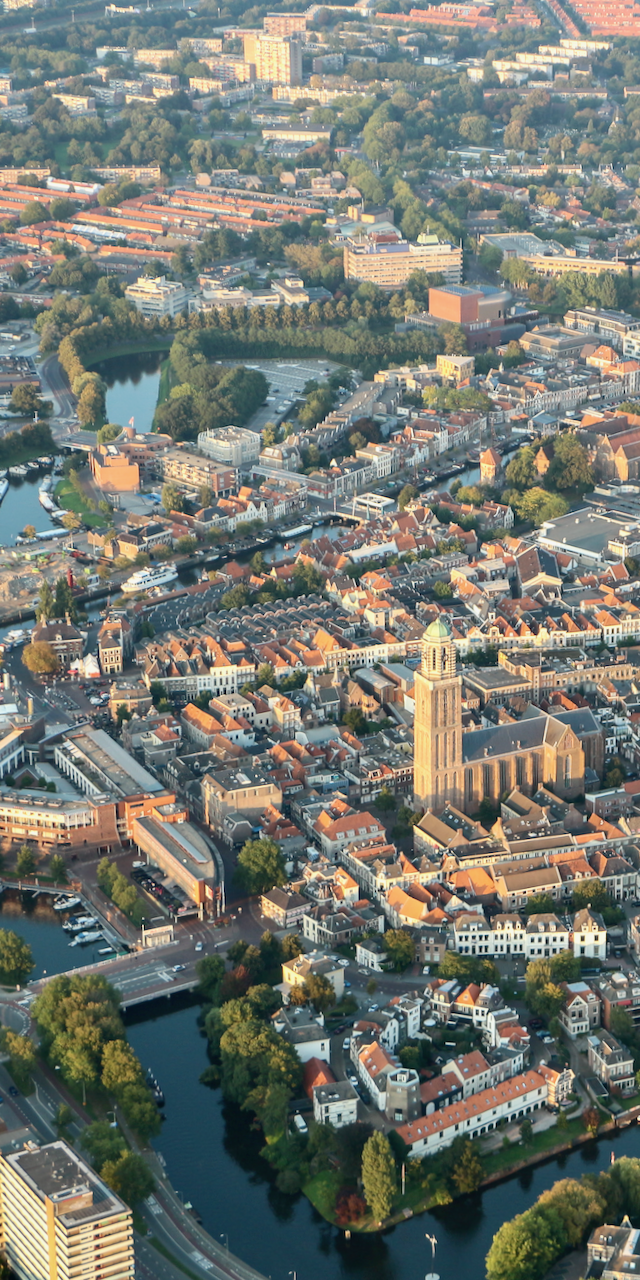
point(132, 387)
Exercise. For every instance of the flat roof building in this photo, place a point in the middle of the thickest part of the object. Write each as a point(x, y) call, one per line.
point(180, 850)
point(157, 296)
point(390, 265)
point(235, 446)
point(58, 1219)
point(101, 767)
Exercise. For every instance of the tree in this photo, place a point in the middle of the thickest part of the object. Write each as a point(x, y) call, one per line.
point(320, 992)
point(46, 604)
point(33, 211)
point(467, 1172)
point(291, 946)
point(70, 521)
point(540, 904)
point(40, 658)
point(525, 1248)
point(58, 869)
point(591, 1120)
point(90, 406)
point(621, 1025)
point(520, 471)
point(16, 959)
point(22, 1052)
point(400, 947)
point(102, 1143)
point(29, 531)
point(355, 720)
point(386, 800)
point(379, 1181)
point(406, 495)
point(172, 499)
point(110, 431)
point(265, 675)
point(26, 400)
point(129, 1176)
point(537, 506)
point(25, 861)
point(261, 866)
point(120, 1066)
point(210, 971)
point(526, 1131)
point(569, 467)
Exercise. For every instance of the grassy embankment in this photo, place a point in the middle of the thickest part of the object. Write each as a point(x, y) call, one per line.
point(69, 499)
point(322, 1189)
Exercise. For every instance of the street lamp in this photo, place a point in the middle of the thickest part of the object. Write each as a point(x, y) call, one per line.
point(113, 1123)
point(294, 1274)
point(432, 1275)
point(224, 1236)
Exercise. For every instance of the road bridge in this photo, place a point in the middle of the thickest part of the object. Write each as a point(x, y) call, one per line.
point(141, 977)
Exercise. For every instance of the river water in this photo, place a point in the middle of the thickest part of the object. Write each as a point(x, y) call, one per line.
point(132, 387)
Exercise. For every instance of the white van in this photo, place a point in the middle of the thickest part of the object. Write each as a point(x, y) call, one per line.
point(301, 1125)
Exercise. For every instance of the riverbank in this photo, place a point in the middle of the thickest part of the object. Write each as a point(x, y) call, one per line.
point(141, 348)
point(499, 1166)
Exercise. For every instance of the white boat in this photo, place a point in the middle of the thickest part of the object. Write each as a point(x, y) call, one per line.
point(94, 935)
point(47, 501)
point(78, 923)
point(4, 485)
point(18, 473)
point(3, 475)
point(66, 904)
point(299, 529)
point(145, 579)
point(15, 637)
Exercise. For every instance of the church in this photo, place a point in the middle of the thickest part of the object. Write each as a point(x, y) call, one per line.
point(464, 768)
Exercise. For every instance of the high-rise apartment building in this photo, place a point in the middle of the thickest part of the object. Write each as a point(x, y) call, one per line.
point(277, 59)
point(284, 24)
point(58, 1219)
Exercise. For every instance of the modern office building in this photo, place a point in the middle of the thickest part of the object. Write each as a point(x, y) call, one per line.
point(58, 1219)
point(390, 265)
point(235, 446)
point(157, 297)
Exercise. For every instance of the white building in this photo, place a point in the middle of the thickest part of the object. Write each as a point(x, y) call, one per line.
point(510, 1100)
point(589, 935)
point(506, 934)
point(157, 297)
point(335, 1104)
point(235, 446)
point(580, 1012)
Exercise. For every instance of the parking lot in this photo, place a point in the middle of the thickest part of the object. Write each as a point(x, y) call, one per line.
point(287, 379)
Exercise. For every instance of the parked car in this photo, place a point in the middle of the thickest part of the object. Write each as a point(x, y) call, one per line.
point(198, 946)
point(346, 1043)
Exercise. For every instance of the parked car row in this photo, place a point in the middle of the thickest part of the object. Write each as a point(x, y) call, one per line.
point(157, 891)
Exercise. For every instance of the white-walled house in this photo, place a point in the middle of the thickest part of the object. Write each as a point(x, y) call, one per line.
point(335, 1104)
point(589, 935)
point(510, 1100)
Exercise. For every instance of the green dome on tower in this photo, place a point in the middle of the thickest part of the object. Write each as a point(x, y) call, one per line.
point(437, 630)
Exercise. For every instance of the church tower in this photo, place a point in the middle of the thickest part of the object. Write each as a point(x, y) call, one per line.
point(438, 722)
